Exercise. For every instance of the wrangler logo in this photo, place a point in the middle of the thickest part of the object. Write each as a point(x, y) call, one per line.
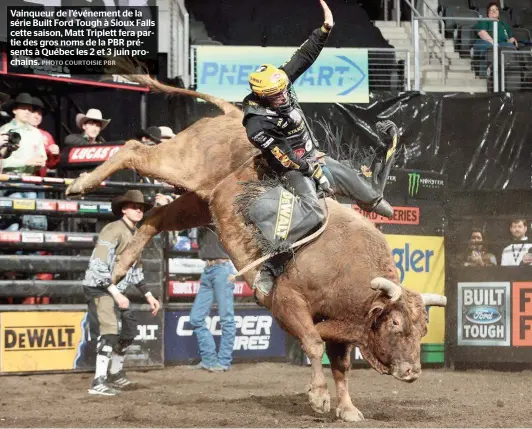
point(284, 159)
point(32, 338)
point(284, 214)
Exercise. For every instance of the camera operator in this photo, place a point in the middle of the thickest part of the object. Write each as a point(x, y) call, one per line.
point(30, 153)
point(9, 143)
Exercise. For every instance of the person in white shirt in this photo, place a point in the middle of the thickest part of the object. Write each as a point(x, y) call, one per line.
point(31, 154)
point(517, 253)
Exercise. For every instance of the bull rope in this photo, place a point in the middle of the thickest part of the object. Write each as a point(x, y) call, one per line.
point(304, 240)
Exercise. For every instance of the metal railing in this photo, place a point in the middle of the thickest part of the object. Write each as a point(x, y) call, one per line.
point(516, 70)
point(179, 42)
point(389, 69)
point(465, 39)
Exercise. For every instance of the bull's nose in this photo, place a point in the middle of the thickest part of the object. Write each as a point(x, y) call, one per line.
point(408, 372)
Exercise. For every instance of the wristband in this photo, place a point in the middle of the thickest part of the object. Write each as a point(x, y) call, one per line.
point(147, 294)
point(113, 290)
point(326, 28)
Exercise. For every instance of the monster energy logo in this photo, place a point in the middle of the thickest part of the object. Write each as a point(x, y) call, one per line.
point(413, 184)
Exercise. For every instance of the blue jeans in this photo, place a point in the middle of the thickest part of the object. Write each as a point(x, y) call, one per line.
point(214, 284)
point(479, 52)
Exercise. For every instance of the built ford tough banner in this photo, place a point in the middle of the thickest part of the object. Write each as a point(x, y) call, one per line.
point(340, 75)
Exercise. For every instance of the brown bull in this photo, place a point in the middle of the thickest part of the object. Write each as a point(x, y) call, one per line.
point(340, 291)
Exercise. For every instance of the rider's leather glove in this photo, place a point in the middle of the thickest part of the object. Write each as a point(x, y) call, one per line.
point(319, 177)
point(387, 130)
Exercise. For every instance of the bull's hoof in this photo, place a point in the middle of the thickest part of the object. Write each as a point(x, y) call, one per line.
point(320, 400)
point(349, 415)
point(77, 187)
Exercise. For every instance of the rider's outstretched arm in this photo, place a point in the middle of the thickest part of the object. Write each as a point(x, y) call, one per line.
point(309, 51)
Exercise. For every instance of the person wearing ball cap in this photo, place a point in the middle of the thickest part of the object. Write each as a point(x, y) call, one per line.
point(276, 124)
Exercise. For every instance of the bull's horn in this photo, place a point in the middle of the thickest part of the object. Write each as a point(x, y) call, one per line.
point(391, 289)
point(434, 299)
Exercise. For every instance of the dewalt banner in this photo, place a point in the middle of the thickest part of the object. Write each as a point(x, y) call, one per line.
point(39, 341)
point(61, 341)
point(420, 261)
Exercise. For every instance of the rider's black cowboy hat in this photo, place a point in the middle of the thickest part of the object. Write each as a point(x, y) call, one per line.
point(152, 133)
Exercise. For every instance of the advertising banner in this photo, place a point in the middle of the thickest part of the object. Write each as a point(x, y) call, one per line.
point(339, 75)
point(401, 215)
point(484, 313)
point(39, 341)
point(191, 288)
point(257, 335)
point(425, 185)
point(56, 341)
point(185, 266)
point(522, 314)
point(420, 261)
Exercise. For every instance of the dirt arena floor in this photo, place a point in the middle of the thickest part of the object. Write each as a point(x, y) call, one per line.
point(267, 395)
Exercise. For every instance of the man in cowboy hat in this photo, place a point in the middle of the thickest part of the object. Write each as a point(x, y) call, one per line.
point(109, 310)
point(31, 153)
point(52, 150)
point(151, 136)
point(92, 123)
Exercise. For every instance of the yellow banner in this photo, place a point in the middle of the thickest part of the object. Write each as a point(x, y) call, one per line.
point(24, 204)
point(39, 341)
point(420, 262)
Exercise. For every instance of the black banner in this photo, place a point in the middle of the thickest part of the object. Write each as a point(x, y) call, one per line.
point(489, 315)
point(479, 141)
point(146, 350)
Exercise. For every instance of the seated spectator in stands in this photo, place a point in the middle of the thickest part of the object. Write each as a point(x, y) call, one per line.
point(151, 136)
point(166, 133)
point(31, 153)
point(92, 124)
point(478, 255)
point(52, 150)
point(517, 253)
point(484, 30)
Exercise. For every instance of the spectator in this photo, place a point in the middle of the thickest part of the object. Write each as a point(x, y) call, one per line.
point(214, 286)
point(113, 321)
point(166, 133)
point(52, 150)
point(485, 35)
point(92, 125)
point(517, 253)
point(151, 136)
point(478, 255)
point(31, 153)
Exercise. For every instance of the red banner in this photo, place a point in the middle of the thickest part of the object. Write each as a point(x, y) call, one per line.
point(401, 216)
point(78, 155)
point(522, 314)
point(190, 288)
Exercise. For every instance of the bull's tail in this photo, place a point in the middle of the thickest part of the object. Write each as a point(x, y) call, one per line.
point(128, 71)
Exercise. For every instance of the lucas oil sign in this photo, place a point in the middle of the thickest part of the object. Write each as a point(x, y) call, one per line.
point(257, 335)
point(484, 313)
